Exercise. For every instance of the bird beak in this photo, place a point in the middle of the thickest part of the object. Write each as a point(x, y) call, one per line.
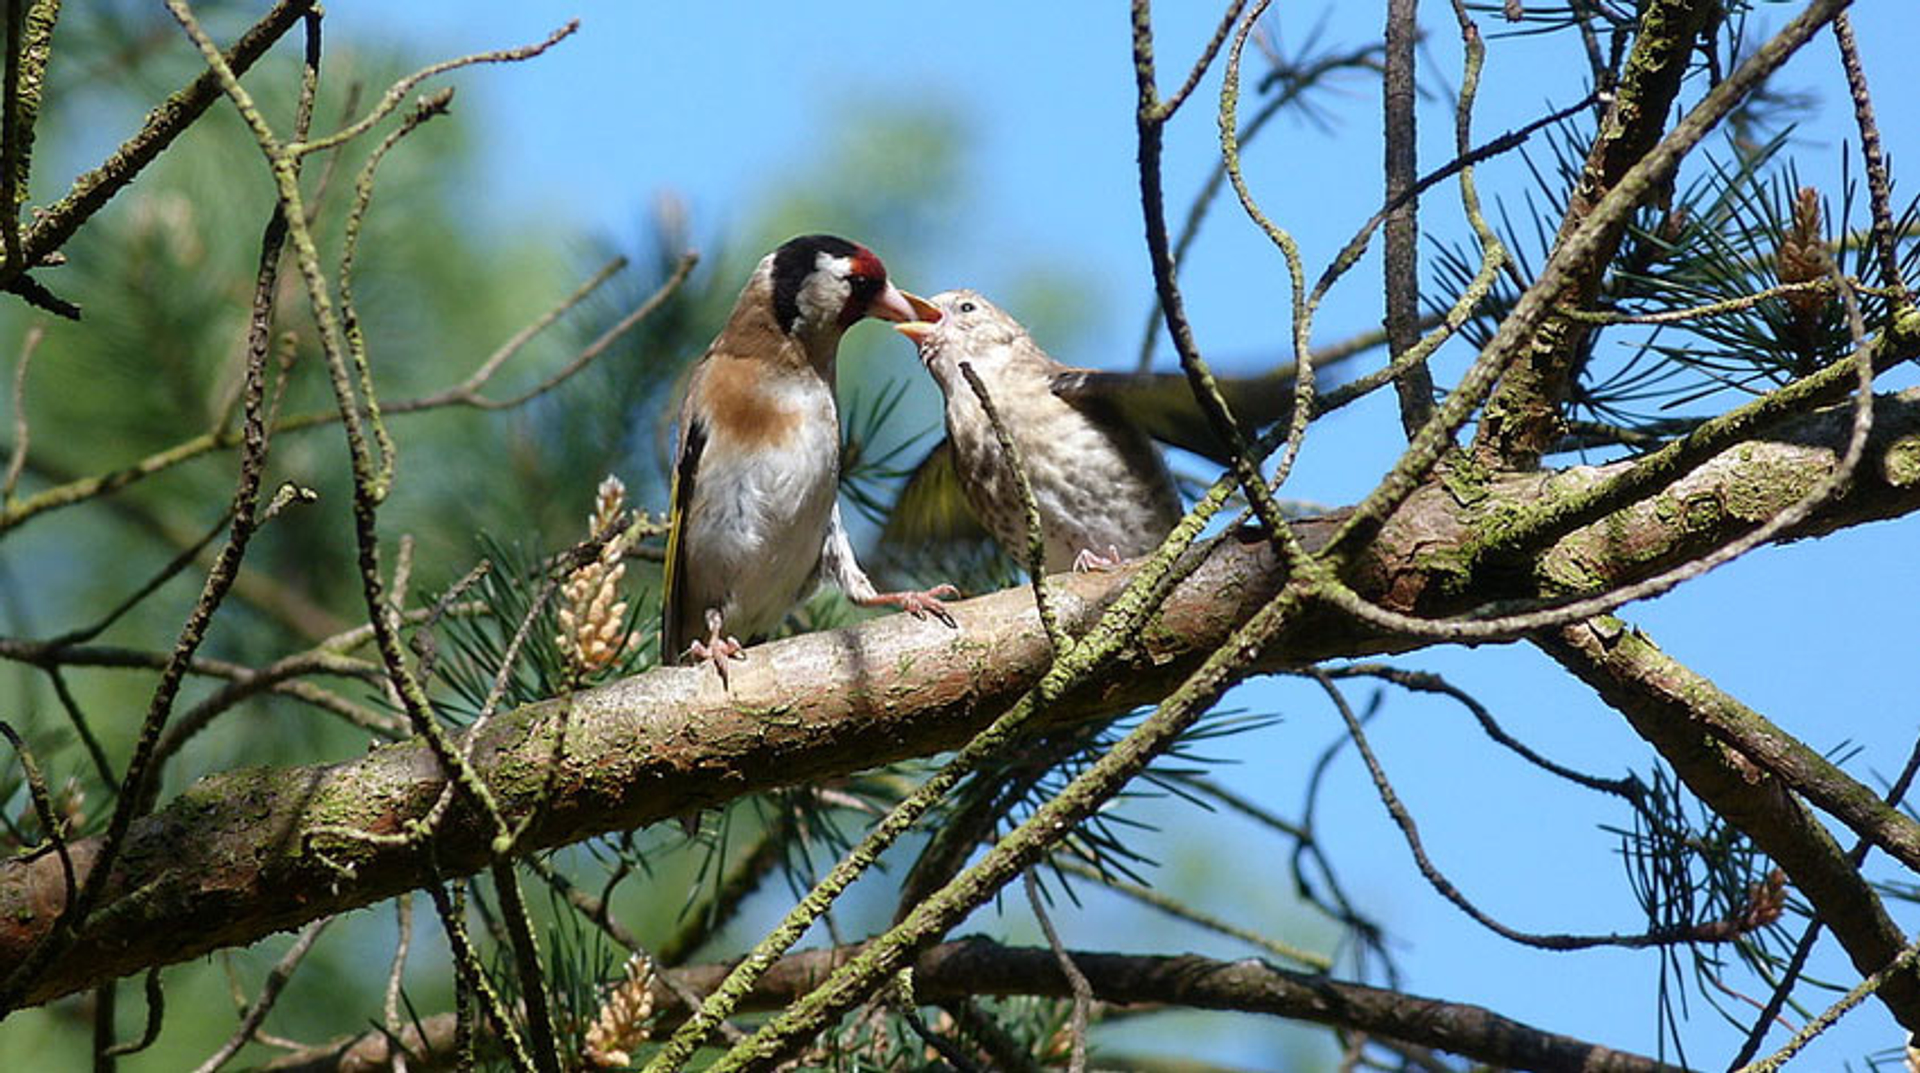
point(891, 304)
point(921, 324)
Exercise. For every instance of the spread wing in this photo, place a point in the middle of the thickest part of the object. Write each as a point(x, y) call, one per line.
point(933, 535)
point(672, 619)
point(1162, 404)
point(932, 509)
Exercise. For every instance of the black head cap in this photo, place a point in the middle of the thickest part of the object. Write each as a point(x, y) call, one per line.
point(796, 259)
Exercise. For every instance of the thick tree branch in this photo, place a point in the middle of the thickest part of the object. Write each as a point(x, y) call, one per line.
point(228, 861)
point(973, 967)
point(1523, 417)
point(1706, 736)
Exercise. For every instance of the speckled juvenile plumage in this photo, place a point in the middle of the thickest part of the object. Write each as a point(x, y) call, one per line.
point(1100, 483)
point(754, 519)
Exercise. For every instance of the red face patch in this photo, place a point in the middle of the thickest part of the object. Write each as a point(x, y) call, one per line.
point(867, 266)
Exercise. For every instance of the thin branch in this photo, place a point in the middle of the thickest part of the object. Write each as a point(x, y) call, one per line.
point(282, 972)
point(1562, 269)
point(535, 1000)
point(1076, 980)
point(1833, 1013)
point(468, 390)
point(1402, 233)
point(1296, 80)
point(423, 111)
point(287, 670)
point(164, 123)
point(1699, 932)
point(52, 827)
point(1212, 49)
point(213, 593)
point(682, 267)
point(80, 635)
point(1879, 184)
point(1150, 128)
point(1036, 557)
point(156, 1018)
point(17, 460)
point(78, 490)
point(472, 974)
point(398, 91)
point(82, 726)
point(1628, 789)
point(1147, 896)
point(390, 1007)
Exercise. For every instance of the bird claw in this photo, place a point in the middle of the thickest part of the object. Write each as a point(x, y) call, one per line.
point(921, 604)
point(718, 648)
point(1088, 559)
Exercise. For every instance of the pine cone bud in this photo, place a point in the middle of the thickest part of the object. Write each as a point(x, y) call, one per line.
point(592, 617)
point(1803, 252)
point(621, 1023)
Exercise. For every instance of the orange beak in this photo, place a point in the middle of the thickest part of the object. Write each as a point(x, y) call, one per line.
point(891, 304)
point(925, 316)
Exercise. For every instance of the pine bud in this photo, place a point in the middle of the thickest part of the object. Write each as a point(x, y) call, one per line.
point(621, 1023)
point(592, 616)
point(1803, 252)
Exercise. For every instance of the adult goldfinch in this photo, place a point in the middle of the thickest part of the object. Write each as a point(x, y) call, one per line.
point(754, 518)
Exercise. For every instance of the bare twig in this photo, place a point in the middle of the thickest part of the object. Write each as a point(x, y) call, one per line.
point(156, 1017)
point(468, 391)
point(390, 1008)
point(1082, 991)
point(1174, 908)
point(1708, 931)
point(81, 489)
point(681, 269)
point(1402, 234)
point(17, 460)
point(1212, 49)
point(1833, 1013)
point(1036, 558)
point(398, 91)
point(1879, 184)
point(282, 971)
point(164, 123)
point(219, 581)
point(51, 826)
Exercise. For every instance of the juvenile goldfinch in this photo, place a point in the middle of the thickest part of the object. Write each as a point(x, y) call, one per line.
point(754, 518)
point(1102, 488)
point(1086, 438)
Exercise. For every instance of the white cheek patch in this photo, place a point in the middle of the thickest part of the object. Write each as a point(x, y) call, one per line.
point(824, 294)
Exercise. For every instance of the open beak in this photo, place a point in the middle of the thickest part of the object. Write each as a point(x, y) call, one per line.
point(891, 304)
point(921, 324)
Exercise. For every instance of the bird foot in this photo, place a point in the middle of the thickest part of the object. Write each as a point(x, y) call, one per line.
point(918, 604)
point(718, 648)
point(1088, 559)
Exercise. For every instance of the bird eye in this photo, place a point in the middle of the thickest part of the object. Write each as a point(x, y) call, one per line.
point(967, 307)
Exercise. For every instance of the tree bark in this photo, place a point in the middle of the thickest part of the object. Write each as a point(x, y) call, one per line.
point(973, 967)
point(235, 857)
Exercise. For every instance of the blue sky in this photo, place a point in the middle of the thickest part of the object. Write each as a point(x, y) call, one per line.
point(716, 102)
